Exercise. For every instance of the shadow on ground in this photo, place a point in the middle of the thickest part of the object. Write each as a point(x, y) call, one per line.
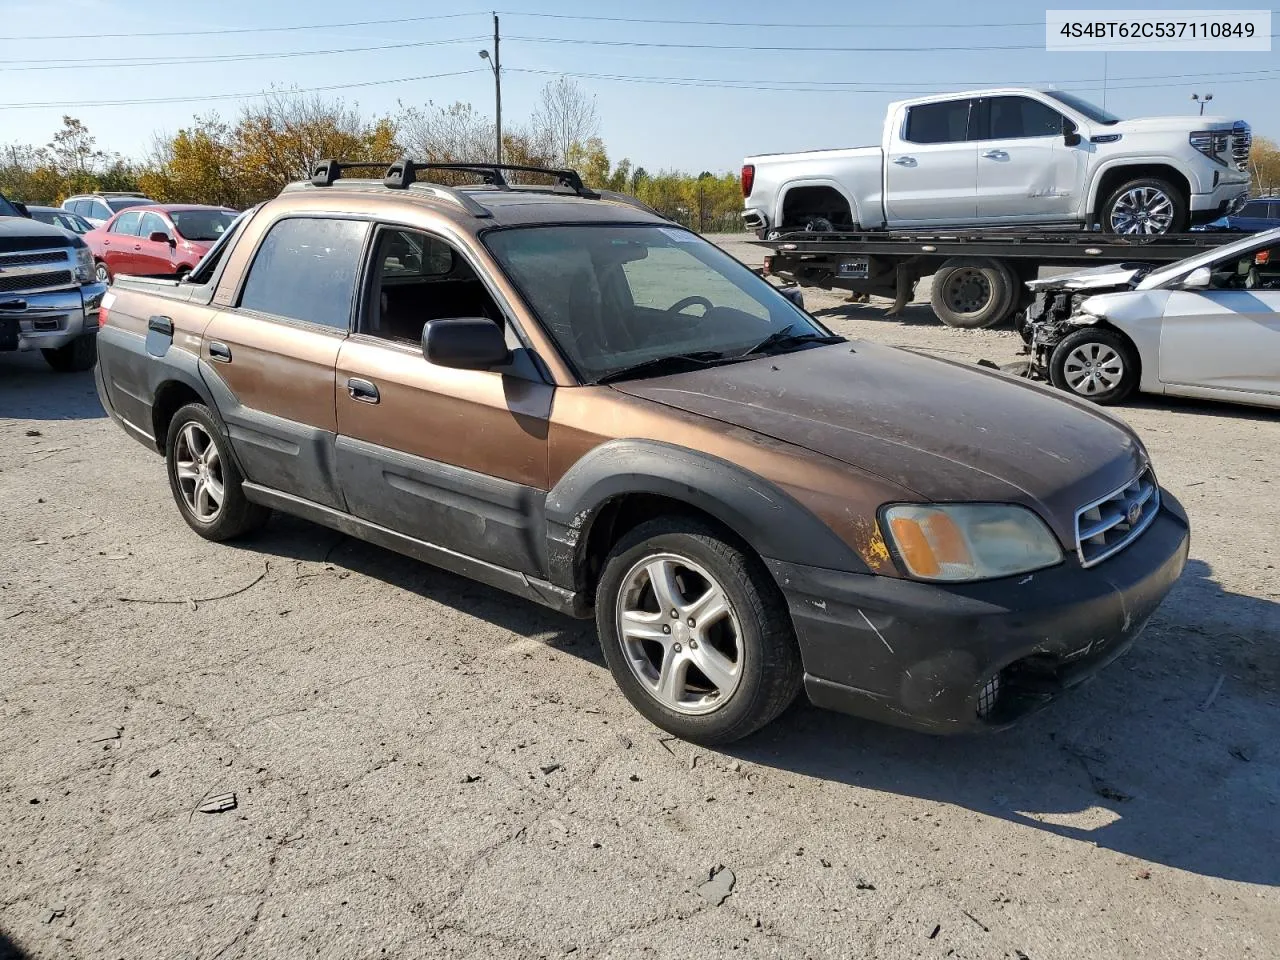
point(1134, 762)
point(30, 390)
point(10, 950)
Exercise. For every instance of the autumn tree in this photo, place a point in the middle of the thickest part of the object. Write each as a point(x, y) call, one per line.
point(1264, 167)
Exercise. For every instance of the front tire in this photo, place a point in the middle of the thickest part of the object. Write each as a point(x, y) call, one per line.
point(1148, 206)
point(204, 479)
point(1095, 364)
point(695, 631)
point(76, 357)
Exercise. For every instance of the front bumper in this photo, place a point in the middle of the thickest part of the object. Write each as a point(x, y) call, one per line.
point(919, 655)
point(51, 319)
point(1225, 199)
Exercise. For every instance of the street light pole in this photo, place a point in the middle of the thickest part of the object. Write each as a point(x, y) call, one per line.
point(1203, 100)
point(496, 64)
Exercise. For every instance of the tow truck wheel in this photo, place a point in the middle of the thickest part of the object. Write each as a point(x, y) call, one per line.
point(971, 293)
point(1096, 364)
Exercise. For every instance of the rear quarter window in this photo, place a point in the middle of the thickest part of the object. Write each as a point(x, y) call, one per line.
point(305, 269)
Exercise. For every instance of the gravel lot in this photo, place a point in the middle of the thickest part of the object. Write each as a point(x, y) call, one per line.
point(425, 767)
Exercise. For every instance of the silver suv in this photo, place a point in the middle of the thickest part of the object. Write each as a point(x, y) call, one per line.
point(98, 208)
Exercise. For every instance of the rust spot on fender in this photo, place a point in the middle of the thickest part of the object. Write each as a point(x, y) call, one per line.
point(874, 550)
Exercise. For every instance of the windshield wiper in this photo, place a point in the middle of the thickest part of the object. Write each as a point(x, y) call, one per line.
point(675, 363)
point(785, 337)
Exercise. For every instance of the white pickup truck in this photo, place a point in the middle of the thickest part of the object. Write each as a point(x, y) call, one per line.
point(1007, 157)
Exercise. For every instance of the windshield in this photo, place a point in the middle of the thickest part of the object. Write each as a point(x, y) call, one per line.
point(202, 224)
point(124, 203)
point(614, 297)
point(1082, 106)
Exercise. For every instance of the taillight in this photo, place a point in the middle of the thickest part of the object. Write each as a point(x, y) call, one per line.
point(103, 307)
point(748, 178)
point(767, 269)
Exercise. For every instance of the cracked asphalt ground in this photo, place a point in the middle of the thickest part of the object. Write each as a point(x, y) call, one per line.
point(425, 767)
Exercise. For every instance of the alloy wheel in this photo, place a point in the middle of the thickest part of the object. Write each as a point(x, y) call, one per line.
point(198, 466)
point(1093, 368)
point(679, 634)
point(1147, 210)
point(102, 273)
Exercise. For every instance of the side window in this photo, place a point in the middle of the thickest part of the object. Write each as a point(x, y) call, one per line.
point(417, 277)
point(1254, 208)
point(100, 210)
point(75, 206)
point(127, 223)
point(1015, 118)
point(305, 269)
point(946, 122)
point(152, 224)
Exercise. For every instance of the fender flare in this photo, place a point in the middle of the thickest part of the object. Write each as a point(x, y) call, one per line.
point(772, 523)
point(789, 185)
point(1092, 199)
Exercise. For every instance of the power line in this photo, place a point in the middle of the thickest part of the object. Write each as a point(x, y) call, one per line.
point(234, 96)
point(219, 32)
point(115, 62)
point(753, 23)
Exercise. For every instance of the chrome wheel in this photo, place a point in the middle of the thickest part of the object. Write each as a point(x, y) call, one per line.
point(680, 635)
point(968, 290)
point(101, 272)
point(1093, 368)
point(1142, 210)
point(198, 467)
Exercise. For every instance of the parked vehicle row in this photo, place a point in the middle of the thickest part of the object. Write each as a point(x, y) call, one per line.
point(160, 240)
point(98, 208)
point(568, 397)
point(1007, 157)
point(1260, 213)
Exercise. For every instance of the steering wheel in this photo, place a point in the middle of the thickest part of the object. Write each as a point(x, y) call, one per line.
point(681, 305)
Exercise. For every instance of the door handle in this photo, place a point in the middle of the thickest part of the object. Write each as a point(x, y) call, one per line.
point(905, 161)
point(996, 155)
point(362, 390)
point(164, 326)
point(219, 352)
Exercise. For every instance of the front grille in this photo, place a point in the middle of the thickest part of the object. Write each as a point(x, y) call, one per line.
point(28, 259)
point(34, 281)
point(1109, 525)
point(1241, 142)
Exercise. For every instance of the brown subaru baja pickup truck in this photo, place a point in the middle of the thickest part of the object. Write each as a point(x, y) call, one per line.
point(566, 396)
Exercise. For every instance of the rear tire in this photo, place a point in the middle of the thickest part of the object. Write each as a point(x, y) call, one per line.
point(197, 454)
point(746, 643)
point(1095, 363)
point(970, 293)
point(101, 272)
point(76, 357)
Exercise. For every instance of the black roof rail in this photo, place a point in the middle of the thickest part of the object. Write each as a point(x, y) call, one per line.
point(490, 173)
point(324, 173)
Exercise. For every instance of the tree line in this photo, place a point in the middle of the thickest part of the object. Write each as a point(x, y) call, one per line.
point(244, 160)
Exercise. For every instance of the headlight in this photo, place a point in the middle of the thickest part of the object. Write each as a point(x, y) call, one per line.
point(969, 541)
point(84, 265)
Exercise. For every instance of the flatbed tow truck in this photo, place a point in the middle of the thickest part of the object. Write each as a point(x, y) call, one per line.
point(979, 276)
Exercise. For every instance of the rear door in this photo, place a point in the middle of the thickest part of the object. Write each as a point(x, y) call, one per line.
point(120, 242)
point(269, 359)
point(456, 458)
point(154, 258)
point(931, 169)
point(1026, 172)
point(1227, 338)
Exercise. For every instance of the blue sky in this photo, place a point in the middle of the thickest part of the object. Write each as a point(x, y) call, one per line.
point(669, 124)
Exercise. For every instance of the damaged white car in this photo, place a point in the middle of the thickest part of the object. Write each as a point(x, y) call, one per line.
point(1207, 327)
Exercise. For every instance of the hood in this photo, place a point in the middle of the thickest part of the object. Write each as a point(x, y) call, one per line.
point(945, 431)
point(1177, 122)
point(19, 233)
point(1107, 275)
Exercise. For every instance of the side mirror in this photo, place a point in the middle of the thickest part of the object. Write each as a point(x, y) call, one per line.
point(159, 236)
point(1197, 279)
point(470, 343)
point(794, 294)
point(1069, 135)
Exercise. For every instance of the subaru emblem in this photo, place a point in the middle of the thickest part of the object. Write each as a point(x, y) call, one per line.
point(1134, 513)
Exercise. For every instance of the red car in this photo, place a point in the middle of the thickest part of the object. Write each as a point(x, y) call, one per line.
point(166, 240)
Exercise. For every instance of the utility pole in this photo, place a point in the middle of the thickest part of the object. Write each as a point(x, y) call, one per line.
point(496, 64)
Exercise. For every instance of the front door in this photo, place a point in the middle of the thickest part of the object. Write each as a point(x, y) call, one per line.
point(1026, 172)
point(1227, 337)
point(931, 170)
point(269, 361)
point(120, 242)
point(456, 458)
point(153, 258)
